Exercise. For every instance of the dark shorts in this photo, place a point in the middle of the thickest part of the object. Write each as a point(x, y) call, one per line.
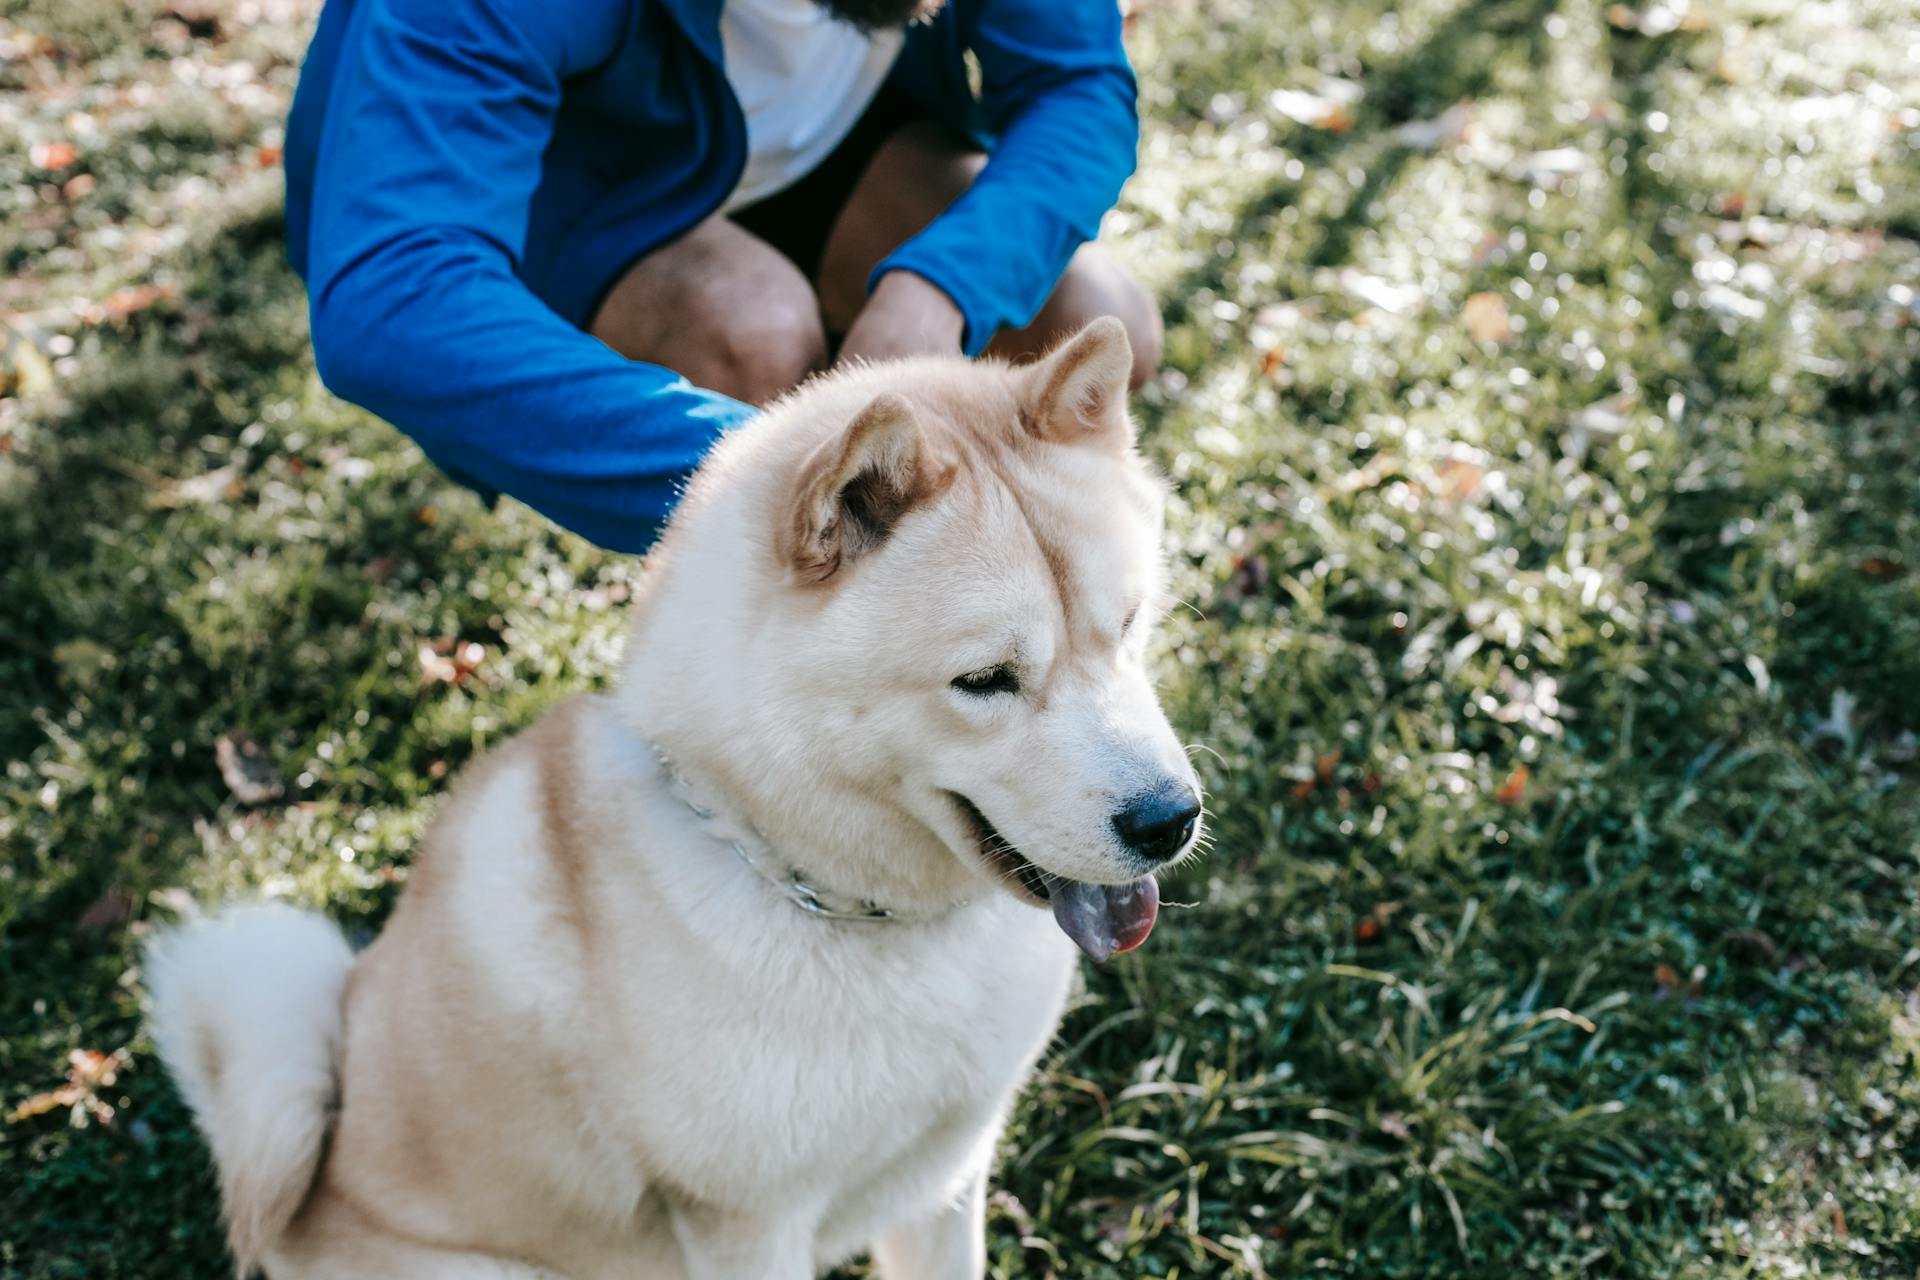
point(584, 237)
point(798, 220)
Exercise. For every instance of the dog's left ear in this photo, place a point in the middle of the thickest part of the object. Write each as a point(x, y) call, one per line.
point(1078, 394)
point(855, 488)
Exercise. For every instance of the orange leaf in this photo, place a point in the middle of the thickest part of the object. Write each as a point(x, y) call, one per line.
point(1367, 930)
point(134, 298)
point(53, 155)
point(89, 1067)
point(1338, 120)
point(41, 1103)
point(449, 661)
point(1487, 318)
point(1514, 789)
point(1458, 479)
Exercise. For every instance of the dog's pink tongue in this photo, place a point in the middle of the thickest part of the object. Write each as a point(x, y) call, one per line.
point(1106, 919)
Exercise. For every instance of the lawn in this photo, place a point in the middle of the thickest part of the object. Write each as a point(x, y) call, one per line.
point(1543, 404)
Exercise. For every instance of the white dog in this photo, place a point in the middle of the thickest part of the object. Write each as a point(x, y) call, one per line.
point(734, 973)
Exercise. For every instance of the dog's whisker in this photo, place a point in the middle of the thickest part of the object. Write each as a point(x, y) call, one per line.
point(1196, 745)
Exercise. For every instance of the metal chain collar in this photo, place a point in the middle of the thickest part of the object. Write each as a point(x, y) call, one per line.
point(790, 885)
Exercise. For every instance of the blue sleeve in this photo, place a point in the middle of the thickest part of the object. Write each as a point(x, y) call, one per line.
point(435, 132)
point(1058, 91)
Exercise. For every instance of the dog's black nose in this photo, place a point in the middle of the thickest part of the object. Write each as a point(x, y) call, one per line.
point(1158, 824)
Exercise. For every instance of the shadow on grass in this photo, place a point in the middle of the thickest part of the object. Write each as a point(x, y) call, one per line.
point(170, 579)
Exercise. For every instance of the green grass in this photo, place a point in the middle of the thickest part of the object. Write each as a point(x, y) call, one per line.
point(1651, 1008)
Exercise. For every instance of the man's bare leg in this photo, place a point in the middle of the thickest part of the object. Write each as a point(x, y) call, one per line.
point(722, 308)
point(912, 179)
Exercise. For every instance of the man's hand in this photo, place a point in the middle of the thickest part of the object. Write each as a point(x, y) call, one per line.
point(905, 316)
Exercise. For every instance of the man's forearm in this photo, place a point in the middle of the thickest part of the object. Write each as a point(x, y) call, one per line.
point(434, 334)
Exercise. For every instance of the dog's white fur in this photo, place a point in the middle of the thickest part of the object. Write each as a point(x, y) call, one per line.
point(591, 1041)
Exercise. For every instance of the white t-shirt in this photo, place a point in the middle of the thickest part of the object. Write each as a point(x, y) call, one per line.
point(803, 78)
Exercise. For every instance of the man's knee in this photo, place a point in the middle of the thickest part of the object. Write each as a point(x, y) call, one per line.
point(757, 348)
point(1097, 285)
point(1094, 285)
point(721, 308)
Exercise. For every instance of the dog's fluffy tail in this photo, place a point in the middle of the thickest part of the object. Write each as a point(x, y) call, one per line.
point(247, 1017)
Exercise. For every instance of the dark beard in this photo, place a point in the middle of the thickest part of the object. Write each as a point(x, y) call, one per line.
point(880, 15)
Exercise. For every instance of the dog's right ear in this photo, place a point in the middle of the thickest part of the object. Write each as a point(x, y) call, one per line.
point(855, 488)
point(1078, 394)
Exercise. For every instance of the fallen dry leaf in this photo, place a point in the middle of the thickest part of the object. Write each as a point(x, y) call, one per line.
point(1458, 479)
point(41, 1103)
point(246, 770)
point(87, 1071)
point(1667, 981)
point(1375, 923)
point(1487, 318)
point(449, 661)
point(53, 156)
point(1338, 120)
point(123, 302)
point(1514, 790)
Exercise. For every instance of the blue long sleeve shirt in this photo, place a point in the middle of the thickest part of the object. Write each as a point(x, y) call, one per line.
point(465, 178)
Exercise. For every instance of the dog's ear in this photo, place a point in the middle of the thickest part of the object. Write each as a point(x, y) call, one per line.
point(1078, 394)
point(855, 488)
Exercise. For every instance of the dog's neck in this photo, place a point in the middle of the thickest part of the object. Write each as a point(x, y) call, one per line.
point(801, 826)
point(796, 884)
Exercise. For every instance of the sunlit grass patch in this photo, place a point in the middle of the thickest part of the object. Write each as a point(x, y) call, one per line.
point(1541, 403)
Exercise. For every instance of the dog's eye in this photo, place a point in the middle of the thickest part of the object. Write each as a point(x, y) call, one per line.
point(988, 681)
point(1133, 615)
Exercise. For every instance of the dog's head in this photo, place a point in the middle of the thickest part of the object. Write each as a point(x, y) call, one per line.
point(962, 570)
